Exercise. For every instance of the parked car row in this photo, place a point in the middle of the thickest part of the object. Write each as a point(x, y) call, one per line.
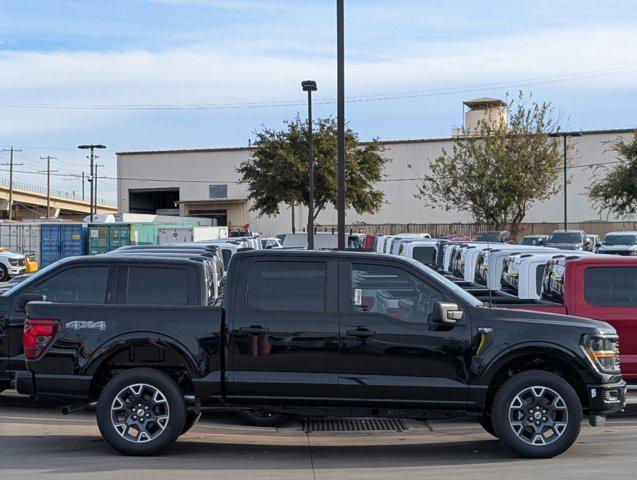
point(139, 335)
point(151, 335)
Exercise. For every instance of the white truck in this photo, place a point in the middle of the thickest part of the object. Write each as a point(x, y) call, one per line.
point(522, 273)
point(11, 264)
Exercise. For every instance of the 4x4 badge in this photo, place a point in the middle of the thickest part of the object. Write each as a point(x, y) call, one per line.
point(83, 325)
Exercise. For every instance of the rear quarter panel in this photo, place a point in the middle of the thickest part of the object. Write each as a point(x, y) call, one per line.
point(90, 334)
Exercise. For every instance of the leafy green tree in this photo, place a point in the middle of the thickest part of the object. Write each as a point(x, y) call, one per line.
point(616, 189)
point(497, 171)
point(277, 172)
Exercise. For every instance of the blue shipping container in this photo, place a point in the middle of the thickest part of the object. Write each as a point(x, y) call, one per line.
point(59, 240)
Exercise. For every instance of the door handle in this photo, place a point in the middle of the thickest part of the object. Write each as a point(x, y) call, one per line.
point(254, 330)
point(361, 333)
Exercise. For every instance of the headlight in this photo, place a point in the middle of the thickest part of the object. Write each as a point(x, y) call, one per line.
point(13, 261)
point(602, 351)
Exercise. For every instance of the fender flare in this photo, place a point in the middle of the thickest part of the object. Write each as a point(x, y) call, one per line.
point(120, 342)
point(544, 348)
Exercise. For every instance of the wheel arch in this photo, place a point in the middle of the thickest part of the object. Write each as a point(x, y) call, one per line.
point(545, 356)
point(159, 352)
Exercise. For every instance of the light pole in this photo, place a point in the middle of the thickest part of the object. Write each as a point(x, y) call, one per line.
point(340, 121)
point(90, 178)
point(565, 136)
point(309, 86)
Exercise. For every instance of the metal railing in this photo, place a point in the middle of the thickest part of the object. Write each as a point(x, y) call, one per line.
point(56, 193)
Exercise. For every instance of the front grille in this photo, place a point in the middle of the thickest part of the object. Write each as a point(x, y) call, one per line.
point(309, 425)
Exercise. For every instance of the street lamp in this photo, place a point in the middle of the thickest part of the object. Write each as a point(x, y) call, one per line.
point(90, 178)
point(565, 136)
point(309, 86)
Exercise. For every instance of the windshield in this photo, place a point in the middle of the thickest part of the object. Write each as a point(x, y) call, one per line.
point(620, 240)
point(565, 237)
point(531, 240)
point(470, 299)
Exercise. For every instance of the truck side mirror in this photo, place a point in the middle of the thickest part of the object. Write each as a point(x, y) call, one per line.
point(446, 313)
point(26, 298)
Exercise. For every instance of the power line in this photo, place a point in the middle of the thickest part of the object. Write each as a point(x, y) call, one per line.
point(357, 99)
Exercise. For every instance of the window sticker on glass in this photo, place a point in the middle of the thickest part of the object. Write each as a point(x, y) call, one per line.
point(358, 297)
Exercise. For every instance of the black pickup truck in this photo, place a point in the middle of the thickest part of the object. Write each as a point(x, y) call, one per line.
point(323, 333)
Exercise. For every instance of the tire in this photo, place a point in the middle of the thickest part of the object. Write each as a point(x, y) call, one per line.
point(262, 418)
point(191, 420)
point(129, 397)
point(487, 424)
point(4, 274)
point(537, 414)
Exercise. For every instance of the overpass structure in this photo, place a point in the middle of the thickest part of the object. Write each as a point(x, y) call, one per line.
point(30, 201)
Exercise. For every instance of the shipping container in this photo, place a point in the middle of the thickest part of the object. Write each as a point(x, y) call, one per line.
point(190, 234)
point(105, 237)
point(61, 240)
point(21, 238)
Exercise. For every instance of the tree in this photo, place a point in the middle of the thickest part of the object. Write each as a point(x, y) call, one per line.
point(616, 189)
point(498, 170)
point(277, 172)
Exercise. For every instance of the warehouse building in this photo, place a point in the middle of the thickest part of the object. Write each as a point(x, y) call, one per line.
point(204, 182)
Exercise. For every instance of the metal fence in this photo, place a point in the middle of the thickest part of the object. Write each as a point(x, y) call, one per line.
point(469, 229)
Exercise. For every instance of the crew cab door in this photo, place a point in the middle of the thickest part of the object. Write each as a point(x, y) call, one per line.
point(392, 351)
point(284, 332)
point(610, 294)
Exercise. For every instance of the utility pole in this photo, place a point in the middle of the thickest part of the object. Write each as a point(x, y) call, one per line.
point(48, 159)
point(82, 186)
point(95, 185)
point(340, 122)
point(90, 179)
point(11, 164)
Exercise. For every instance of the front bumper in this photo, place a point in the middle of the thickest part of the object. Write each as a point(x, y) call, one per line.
point(606, 398)
point(17, 270)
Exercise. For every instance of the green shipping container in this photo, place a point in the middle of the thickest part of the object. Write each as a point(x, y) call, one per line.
point(105, 237)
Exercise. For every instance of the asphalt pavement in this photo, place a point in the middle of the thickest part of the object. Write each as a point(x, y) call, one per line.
point(36, 442)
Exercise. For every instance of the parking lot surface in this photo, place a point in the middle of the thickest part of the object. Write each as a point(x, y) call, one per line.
point(37, 442)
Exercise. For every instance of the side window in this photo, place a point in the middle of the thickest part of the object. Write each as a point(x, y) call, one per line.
point(157, 286)
point(81, 285)
point(611, 287)
point(391, 291)
point(288, 286)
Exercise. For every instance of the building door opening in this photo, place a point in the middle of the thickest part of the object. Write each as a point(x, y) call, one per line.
point(152, 200)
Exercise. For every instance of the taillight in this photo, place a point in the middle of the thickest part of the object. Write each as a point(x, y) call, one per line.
point(38, 335)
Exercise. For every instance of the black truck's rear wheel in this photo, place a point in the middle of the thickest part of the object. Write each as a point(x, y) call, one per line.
point(537, 414)
point(262, 418)
point(141, 412)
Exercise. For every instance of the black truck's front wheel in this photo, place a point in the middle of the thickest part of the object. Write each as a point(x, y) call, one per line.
point(537, 414)
point(141, 412)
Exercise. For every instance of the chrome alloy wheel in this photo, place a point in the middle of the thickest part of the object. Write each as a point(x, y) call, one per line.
point(538, 415)
point(140, 413)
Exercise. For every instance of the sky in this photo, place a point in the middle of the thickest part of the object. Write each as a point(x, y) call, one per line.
point(169, 74)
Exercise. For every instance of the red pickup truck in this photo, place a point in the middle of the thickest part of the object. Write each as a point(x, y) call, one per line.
point(600, 287)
